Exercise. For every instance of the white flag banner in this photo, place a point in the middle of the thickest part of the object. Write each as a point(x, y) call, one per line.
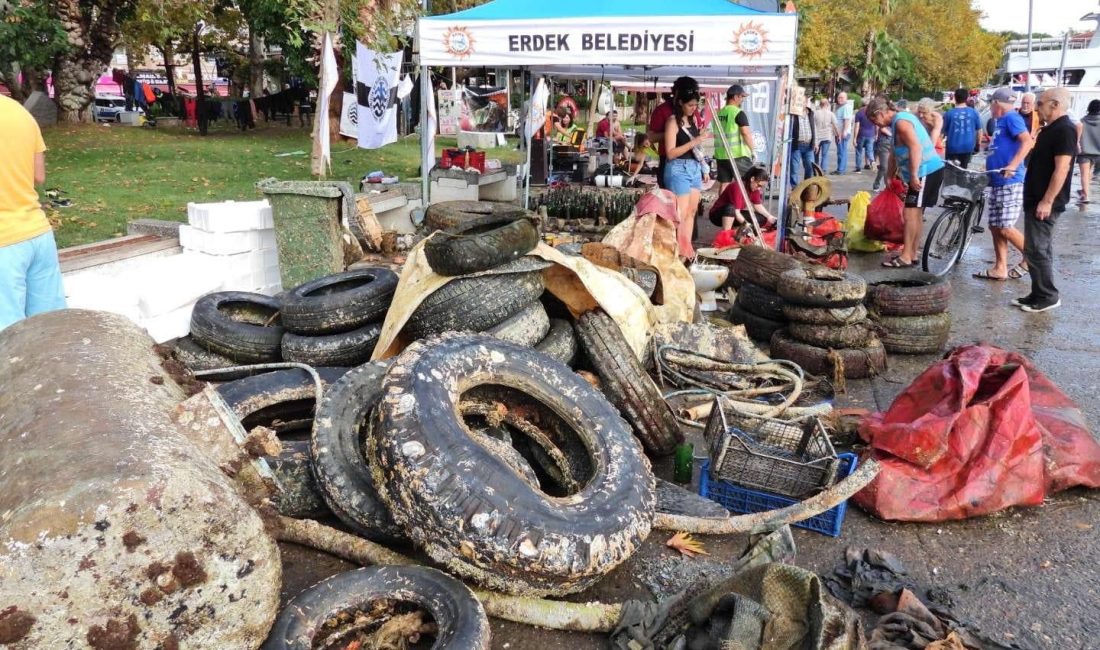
point(349, 117)
point(329, 75)
point(536, 116)
point(376, 93)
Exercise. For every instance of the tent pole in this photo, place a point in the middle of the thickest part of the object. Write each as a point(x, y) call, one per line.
point(527, 132)
point(785, 155)
point(427, 155)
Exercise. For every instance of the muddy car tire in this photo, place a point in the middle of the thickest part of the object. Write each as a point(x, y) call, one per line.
point(338, 462)
point(452, 214)
point(197, 358)
point(822, 287)
point(347, 349)
point(757, 327)
point(232, 324)
point(858, 363)
point(474, 304)
point(298, 495)
point(909, 294)
point(915, 334)
point(467, 509)
point(279, 400)
point(824, 315)
point(560, 342)
point(525, 328)
point(763, 266)
point(457, 613)
point(626, 383)
point(480, 244)
point(856, 335)
point(755, 299)
point(338, 303)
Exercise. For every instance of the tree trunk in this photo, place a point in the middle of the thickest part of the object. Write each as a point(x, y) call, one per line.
point(868, 59)
point(93, 33)
point(255, 62)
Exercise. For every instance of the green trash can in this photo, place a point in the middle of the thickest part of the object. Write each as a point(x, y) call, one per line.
point(307, 227)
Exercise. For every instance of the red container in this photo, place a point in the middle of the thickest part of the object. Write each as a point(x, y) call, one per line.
point(463, 159)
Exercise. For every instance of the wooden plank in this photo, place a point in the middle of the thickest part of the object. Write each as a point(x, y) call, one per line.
point(99, 246)
point(148, 244)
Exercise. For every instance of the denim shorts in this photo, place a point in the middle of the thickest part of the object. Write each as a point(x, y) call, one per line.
point(683, 175)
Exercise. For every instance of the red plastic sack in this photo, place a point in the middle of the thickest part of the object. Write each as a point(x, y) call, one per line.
point(884, 215)
point(978, 432)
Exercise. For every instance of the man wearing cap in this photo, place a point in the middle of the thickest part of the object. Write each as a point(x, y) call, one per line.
point(733, 123)
point(1007, 151)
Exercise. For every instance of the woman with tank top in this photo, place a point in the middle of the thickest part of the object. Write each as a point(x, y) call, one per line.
point(916, 161)
point(684, 170)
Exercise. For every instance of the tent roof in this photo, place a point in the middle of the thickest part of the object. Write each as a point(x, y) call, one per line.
point(532, 10)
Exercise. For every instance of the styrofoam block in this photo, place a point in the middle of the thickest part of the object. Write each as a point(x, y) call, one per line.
point(271, 289)
point(225, 243)
point(170, 283)
point(101, 291)
point(171, 325)
point(230, 216)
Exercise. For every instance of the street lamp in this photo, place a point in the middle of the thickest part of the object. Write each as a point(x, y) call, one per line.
point(200, 93)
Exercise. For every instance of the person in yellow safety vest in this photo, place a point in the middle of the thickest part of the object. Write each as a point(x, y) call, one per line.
point(734, 122)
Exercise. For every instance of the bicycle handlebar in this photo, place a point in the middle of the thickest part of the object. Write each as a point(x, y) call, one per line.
point(963, 169)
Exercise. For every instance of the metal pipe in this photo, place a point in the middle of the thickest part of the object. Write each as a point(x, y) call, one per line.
point(1030, 14)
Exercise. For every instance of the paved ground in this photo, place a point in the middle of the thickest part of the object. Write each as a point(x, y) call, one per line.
point(1027, 578)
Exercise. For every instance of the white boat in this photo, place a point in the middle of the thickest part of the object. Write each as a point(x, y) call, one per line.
point(1076, 59)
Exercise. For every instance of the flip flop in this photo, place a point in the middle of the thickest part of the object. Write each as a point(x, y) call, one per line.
point(1018, 271)
point(896, 263)
point(984, 274)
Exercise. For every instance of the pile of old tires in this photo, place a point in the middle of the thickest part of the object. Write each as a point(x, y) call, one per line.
point(829, 332)
point(331, 321)
point(758, 305)
point(499, 462)
point(911, 311)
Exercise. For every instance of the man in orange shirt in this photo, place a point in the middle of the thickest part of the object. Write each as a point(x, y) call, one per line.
point(30, 276)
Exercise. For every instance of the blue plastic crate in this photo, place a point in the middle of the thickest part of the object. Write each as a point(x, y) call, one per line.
point(743, 500)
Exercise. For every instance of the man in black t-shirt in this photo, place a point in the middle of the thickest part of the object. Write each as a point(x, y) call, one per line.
point(1046, 193)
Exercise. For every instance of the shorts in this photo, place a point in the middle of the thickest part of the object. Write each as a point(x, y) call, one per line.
point(683, 175)
point(1006, 204)
point(929, 193)
point(30, 279)
point(1089, 158)
point(725, 168)
point(729, 211)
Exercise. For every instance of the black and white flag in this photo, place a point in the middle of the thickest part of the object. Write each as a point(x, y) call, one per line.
point(376, 95)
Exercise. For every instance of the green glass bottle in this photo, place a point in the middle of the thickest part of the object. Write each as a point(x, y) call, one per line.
point(681, 467)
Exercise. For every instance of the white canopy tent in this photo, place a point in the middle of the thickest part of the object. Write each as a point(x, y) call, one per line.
point(622, 41)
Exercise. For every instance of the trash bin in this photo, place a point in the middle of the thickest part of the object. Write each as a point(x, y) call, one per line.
point(307, 216)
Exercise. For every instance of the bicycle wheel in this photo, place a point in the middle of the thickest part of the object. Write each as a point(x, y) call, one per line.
point(945, 242)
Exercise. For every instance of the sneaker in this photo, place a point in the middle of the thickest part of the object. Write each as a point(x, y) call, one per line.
point(1020, 302)
point(858, 171)
point(867, 166)
point(1035, 309)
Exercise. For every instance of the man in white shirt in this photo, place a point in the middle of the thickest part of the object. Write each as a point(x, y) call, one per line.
point(825, 131)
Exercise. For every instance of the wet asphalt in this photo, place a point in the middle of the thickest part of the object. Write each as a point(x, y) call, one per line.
point(1024, 578)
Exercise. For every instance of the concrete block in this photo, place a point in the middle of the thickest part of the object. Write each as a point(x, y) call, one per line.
point(477, 139)
point(169, 283)
point(172, 325)
point(453, 182)
point(225, 243)
point(158, 227)
point(503, 190)
point(491, 177)
point(230, 216)
point(440, 193)
point(389, 203)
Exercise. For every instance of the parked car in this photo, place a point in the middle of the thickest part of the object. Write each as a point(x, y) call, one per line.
point(107, 108)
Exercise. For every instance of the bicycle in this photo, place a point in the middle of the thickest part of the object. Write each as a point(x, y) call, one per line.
point(964, 205)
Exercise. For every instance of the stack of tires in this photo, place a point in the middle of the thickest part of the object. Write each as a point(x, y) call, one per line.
point(911, 311)
point(758, 305)
point(496, 290)
point(336, 320)
point(829, 330)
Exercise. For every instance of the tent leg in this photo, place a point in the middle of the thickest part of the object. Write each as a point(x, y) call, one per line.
point(785, 156)
point(527, 132)
point(427, 155)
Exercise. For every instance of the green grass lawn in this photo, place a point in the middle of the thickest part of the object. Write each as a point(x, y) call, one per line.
point(116, 174)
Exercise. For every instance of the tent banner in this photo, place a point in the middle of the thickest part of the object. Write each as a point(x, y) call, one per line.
point(484, 109)
point(450, 111)
point(742, 40)
point(376, 75)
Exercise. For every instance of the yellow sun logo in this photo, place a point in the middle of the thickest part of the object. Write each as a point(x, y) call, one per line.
point(458, 42)
point(750, 40)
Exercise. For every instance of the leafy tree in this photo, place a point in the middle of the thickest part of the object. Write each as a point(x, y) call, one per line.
point(30, 38)
point(948, 45)
point(93, 28)
point(826, 29)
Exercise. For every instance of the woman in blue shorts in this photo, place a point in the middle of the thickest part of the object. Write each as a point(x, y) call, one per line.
point(684, 170)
